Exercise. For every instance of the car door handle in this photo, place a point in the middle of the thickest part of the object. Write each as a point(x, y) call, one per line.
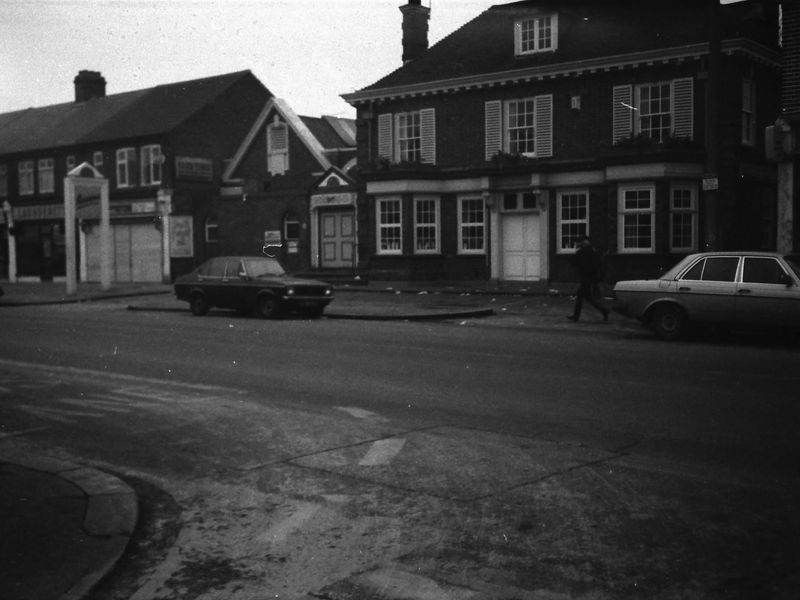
point(684, 289)
point(744, 291)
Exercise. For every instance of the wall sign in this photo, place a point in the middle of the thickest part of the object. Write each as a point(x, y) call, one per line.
point(195, 169)
point(181, 236)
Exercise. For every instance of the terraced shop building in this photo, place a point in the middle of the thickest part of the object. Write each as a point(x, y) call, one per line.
point(161, 150)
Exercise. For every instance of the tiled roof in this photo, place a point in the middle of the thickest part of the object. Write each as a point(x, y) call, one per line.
point(330, 131)
point(145, 112)
point(587, 29)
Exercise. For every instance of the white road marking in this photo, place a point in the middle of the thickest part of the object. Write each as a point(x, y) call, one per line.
point(382, 452)
point(96, 404)
point(56, 414)
point(360, 413)
point(10, 434)
point(280, 531)
point(106, 375)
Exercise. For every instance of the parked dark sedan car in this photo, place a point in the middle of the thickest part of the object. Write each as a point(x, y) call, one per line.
point(758, 290)
point(251, 284)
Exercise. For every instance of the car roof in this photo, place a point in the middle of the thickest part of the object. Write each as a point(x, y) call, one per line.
point(249, 256)
point(738, 253)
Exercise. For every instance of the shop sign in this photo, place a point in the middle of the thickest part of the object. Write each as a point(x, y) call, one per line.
point(42, 211)
point(196, 169)
point(148, 206)
point(181, 236)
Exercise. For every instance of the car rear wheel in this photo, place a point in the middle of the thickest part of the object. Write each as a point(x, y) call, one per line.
point(268, 306)
point(198, 305)
point(669, 322)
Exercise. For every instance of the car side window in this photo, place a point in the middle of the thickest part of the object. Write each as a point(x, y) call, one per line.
point(762, 270)
point(216, 268)
point(720, 268)
point(232, 268)
point(696, 272)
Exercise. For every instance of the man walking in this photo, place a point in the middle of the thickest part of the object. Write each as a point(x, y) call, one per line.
point(588, 263)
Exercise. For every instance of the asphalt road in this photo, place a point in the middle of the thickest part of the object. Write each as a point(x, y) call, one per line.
point(293, 457)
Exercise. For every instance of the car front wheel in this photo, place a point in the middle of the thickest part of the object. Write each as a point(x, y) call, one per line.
point(669, 322)
point(268, 306)
point(198, 305)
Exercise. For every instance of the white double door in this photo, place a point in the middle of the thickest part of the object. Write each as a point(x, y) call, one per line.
point(521, 246)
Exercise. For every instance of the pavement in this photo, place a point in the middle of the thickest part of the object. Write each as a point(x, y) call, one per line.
point(64, 526)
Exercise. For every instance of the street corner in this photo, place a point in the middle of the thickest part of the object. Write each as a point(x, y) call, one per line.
point(77, 518)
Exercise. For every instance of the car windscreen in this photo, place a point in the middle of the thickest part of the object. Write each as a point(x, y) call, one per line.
point(264, 267)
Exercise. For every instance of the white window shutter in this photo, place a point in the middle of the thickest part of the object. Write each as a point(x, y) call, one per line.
point(385, 143)
point(277, 148)
point(683, 108)
point(427, 121)
point(622, 112)
point(494, 128)
point(543, 109)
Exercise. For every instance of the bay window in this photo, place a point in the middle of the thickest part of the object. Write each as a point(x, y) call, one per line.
point(389, 219)
point(636, 219)
point(471, 225)
point(573, 219)
point(426, 225)
point(683, 218)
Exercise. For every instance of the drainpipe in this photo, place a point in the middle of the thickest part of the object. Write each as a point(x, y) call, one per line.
point(711, 215)
point(12, 242)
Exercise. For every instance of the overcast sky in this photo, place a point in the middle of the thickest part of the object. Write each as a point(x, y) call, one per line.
point(307, 52)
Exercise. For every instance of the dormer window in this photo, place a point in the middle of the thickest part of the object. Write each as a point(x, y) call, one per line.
point(539, 34)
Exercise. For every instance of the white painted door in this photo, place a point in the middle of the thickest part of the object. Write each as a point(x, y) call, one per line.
point(337, 238)
point(522, 247)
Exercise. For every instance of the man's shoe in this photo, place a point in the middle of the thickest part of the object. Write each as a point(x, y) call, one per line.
point(572, 318)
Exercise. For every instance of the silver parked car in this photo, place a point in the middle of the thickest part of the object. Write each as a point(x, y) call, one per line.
point(737, 289)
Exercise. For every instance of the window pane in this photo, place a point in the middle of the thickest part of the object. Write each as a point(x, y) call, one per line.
point(762, 270)
point(720, 269)
point(682, 230)
point(574, 217)
point(696, 272)
point(655, 114)
point(409, 136)
point(426, 219)
point(528, 200)
point(637, 200)
point(472, 224)
point(390, 228)
point(637, 231)
point(520, 125)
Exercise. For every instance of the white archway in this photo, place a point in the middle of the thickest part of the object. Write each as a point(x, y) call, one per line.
point(87, 177)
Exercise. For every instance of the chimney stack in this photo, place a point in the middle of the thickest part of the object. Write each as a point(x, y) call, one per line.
point(88, 85)
point(415, 29)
